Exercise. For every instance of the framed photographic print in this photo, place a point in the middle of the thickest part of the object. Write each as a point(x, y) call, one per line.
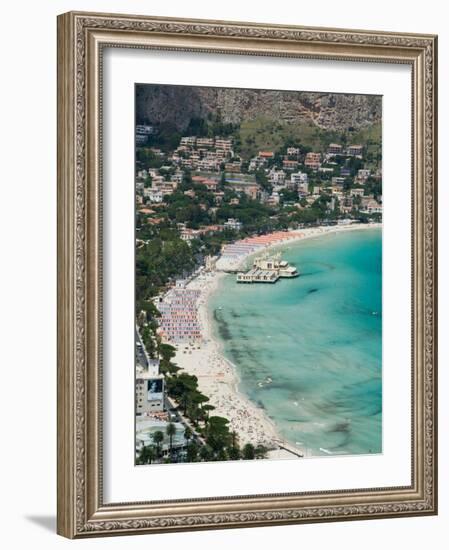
point(246, 274)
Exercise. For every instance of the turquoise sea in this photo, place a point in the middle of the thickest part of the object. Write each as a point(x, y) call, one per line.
point(309, 350)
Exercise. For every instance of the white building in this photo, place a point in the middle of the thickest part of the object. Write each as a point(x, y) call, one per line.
point(150, 387)
point(273, 199)
point(204, 142)
point(370, 206)
point(145, 129)
point(338, 181)
point(363, 175)
point(153, 172)
point(276, 177)
point(313, 160)
point(334, 149)
point(223, 144)
point(325, 170)
point(208, 164)
point(142, 133)
point(189, 234)
point(298, 178)
point(354, 150)
point(153, 195)
point(233, 224)
point(177, 177)
point(188, 141)
point(255, 163)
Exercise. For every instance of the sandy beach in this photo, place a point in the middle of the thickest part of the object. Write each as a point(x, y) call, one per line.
point(217, 377)
point(236, 262)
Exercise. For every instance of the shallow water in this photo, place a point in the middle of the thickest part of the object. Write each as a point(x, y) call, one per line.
point(309, 350)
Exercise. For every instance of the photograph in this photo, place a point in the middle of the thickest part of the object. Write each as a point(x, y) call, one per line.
point(258, 274)
point(231, 278)
point(247, 273)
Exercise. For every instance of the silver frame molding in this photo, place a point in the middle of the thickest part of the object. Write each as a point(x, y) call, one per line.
point(81, 38)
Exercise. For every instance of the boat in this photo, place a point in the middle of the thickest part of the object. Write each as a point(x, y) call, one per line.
point(325, 451)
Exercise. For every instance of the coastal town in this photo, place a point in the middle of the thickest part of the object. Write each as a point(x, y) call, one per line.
point(207, 205)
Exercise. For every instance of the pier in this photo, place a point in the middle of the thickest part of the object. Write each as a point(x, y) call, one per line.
point(268, 270)
point(289, 448)
point(256, 275)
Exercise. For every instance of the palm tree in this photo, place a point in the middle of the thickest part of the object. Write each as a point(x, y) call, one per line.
point(158, 437)
point(187, 434)
point(234, 438)
point(147, 455)
point(143, 455)
point(140, 458)
point(171, 431)
point(151, 454)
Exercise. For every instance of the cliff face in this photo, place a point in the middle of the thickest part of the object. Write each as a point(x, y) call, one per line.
point(178, 104)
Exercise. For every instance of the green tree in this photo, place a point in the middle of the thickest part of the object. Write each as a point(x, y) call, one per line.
point(217, 433)
point(182, 387)
point(249, 452)
point(260, 451)
point(171, 431)
point(206, 453)
point(167, 352)
point(222, 455)
point(147, 455)
point(194, 413)
point(158, 438)
point(188, 434)
point(234, 453)
point(146, 158)
point(206, 410)
point(192, 452)
point(289, 195)
point(140, 457)
point(262, 180)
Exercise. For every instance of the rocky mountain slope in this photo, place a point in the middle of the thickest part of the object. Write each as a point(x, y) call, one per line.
point(178, 104)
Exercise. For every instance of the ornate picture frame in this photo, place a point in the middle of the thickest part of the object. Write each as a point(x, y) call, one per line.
point(82, 38)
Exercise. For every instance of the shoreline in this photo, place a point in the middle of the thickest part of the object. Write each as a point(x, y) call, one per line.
point(292, 236)
point(218, 377)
